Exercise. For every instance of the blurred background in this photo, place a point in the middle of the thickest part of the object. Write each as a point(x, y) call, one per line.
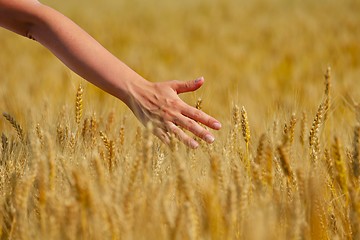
point(267, 55)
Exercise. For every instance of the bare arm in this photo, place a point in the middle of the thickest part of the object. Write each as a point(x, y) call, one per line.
point(155, 102)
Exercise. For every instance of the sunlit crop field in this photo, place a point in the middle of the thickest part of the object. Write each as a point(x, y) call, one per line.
point(282, 77)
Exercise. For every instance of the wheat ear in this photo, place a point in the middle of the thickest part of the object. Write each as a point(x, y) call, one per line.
point(245, 126)
point(79, 104)
point(110, 147)
point(327, 92)
point(303, 124)
point(284, 161)
point(198, 104)
point(314, 141)
point(15, 125)
point(355, 155)
point(246, 135)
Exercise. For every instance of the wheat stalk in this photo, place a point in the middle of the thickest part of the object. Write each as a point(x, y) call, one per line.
point(340, 166)
point(246, 135)
point(93, 129)
point(4, 147)
point(40, 135)
point(285, 161)
point(79, 104)
point(198, 104)
point(327, 93)
point(245, 126)
point(289, 131)
point(85, 128)
point(314, 133)
point(355, 155)
point(110, 121)
point(16, 126)
point(292, 125)
point(110, 147)
point(303, 124)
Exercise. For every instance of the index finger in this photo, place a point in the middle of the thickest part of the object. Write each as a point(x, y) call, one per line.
point(201, 117)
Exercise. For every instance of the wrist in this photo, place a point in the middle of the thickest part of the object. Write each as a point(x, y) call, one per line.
point(133, 88)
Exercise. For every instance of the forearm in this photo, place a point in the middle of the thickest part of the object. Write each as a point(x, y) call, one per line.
point(79, 51)
point(157, 103)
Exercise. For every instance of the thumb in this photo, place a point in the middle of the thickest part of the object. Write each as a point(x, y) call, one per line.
point(189, 86)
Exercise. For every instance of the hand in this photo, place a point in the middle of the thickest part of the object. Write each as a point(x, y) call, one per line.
point(160, 104)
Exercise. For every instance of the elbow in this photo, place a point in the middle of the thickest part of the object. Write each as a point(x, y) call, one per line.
point(20, 17)
point(32, 21)
point(29, 33)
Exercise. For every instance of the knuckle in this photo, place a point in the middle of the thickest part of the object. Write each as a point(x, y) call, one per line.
point(175, 83)
point(157, 85)
point(188, 141)
point(174, 103)
point(210, 121)
point(179, 134)
point(188, 84)
point(204, 133)
point(198, 130)
point(176, 121)
point(172, 128)
point(198, 115)
point(160, 134)
point(191, 125)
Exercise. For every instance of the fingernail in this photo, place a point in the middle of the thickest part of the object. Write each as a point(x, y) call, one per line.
point(217, 125)
point(209, 138)
point(199, 79)
point(194, 144)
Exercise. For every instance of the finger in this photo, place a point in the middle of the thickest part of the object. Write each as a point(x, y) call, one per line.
point(201, 117)
point(182, 136)
point(189, 86)
point(162, 135)
point(195, 128)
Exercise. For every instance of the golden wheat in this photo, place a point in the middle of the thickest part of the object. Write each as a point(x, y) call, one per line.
point(15, 125)
point(69, 172)
point(79, 104)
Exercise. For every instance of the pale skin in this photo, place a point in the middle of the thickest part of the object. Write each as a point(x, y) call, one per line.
point(156, 103)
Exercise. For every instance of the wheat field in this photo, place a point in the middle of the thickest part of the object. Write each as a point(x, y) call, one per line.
point(282, 77)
